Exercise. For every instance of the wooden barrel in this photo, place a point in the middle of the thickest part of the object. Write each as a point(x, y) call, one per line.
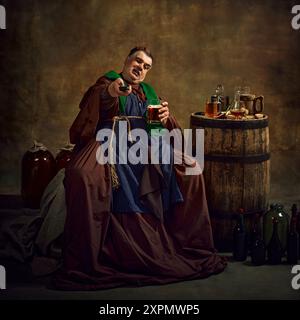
point(236, 171)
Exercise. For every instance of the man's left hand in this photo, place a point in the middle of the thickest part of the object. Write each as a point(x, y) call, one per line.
point(164, 113)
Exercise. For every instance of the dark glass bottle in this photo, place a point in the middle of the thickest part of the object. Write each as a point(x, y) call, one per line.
point(258, 250)
point(240, 238)
point(274, 248)
point(297, 214)
point(258, 247)
point(254, 232)
point(293, 239)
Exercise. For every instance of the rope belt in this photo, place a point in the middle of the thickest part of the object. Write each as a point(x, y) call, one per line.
point(114, 176)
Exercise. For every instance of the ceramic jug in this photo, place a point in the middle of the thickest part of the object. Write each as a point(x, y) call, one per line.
point(252, 103)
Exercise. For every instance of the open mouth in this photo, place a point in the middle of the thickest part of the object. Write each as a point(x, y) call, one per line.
point(136, 72)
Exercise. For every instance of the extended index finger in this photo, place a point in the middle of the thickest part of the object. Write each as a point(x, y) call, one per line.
point(120, 81)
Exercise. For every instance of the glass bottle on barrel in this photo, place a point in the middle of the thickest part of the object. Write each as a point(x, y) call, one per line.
point(240, 238)
point(274, 250)
point(293, 239)
point(218, 97)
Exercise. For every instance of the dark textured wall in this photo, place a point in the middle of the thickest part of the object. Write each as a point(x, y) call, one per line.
point(53, 50)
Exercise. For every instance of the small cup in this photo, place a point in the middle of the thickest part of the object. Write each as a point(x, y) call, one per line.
point(153, 110)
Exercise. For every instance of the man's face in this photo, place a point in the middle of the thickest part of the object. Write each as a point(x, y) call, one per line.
point(136, 67)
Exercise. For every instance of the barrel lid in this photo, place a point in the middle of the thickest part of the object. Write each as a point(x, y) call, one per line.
point(199, 119)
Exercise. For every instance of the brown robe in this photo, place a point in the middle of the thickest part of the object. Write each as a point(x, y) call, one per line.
point(103, 249)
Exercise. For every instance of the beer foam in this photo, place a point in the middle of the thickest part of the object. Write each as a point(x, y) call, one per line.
point(157, 106)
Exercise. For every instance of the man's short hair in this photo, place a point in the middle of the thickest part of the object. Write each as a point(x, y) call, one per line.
point(144, 49)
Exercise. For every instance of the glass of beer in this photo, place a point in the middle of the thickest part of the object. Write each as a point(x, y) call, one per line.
point(153, 110)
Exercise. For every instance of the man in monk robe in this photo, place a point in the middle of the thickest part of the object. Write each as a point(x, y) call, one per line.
point(153, 226)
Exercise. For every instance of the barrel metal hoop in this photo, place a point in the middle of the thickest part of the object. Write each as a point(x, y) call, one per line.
point(198, 120)
point(255, 158)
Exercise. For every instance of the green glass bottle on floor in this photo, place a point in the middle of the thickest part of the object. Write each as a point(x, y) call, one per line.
point(276, 212)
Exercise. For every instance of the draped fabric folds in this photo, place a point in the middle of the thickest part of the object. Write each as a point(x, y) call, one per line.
point(105, 249)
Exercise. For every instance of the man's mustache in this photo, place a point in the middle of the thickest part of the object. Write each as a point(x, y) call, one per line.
point(136, 71)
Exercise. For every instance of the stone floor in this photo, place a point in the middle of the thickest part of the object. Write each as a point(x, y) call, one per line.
point(239, 281)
